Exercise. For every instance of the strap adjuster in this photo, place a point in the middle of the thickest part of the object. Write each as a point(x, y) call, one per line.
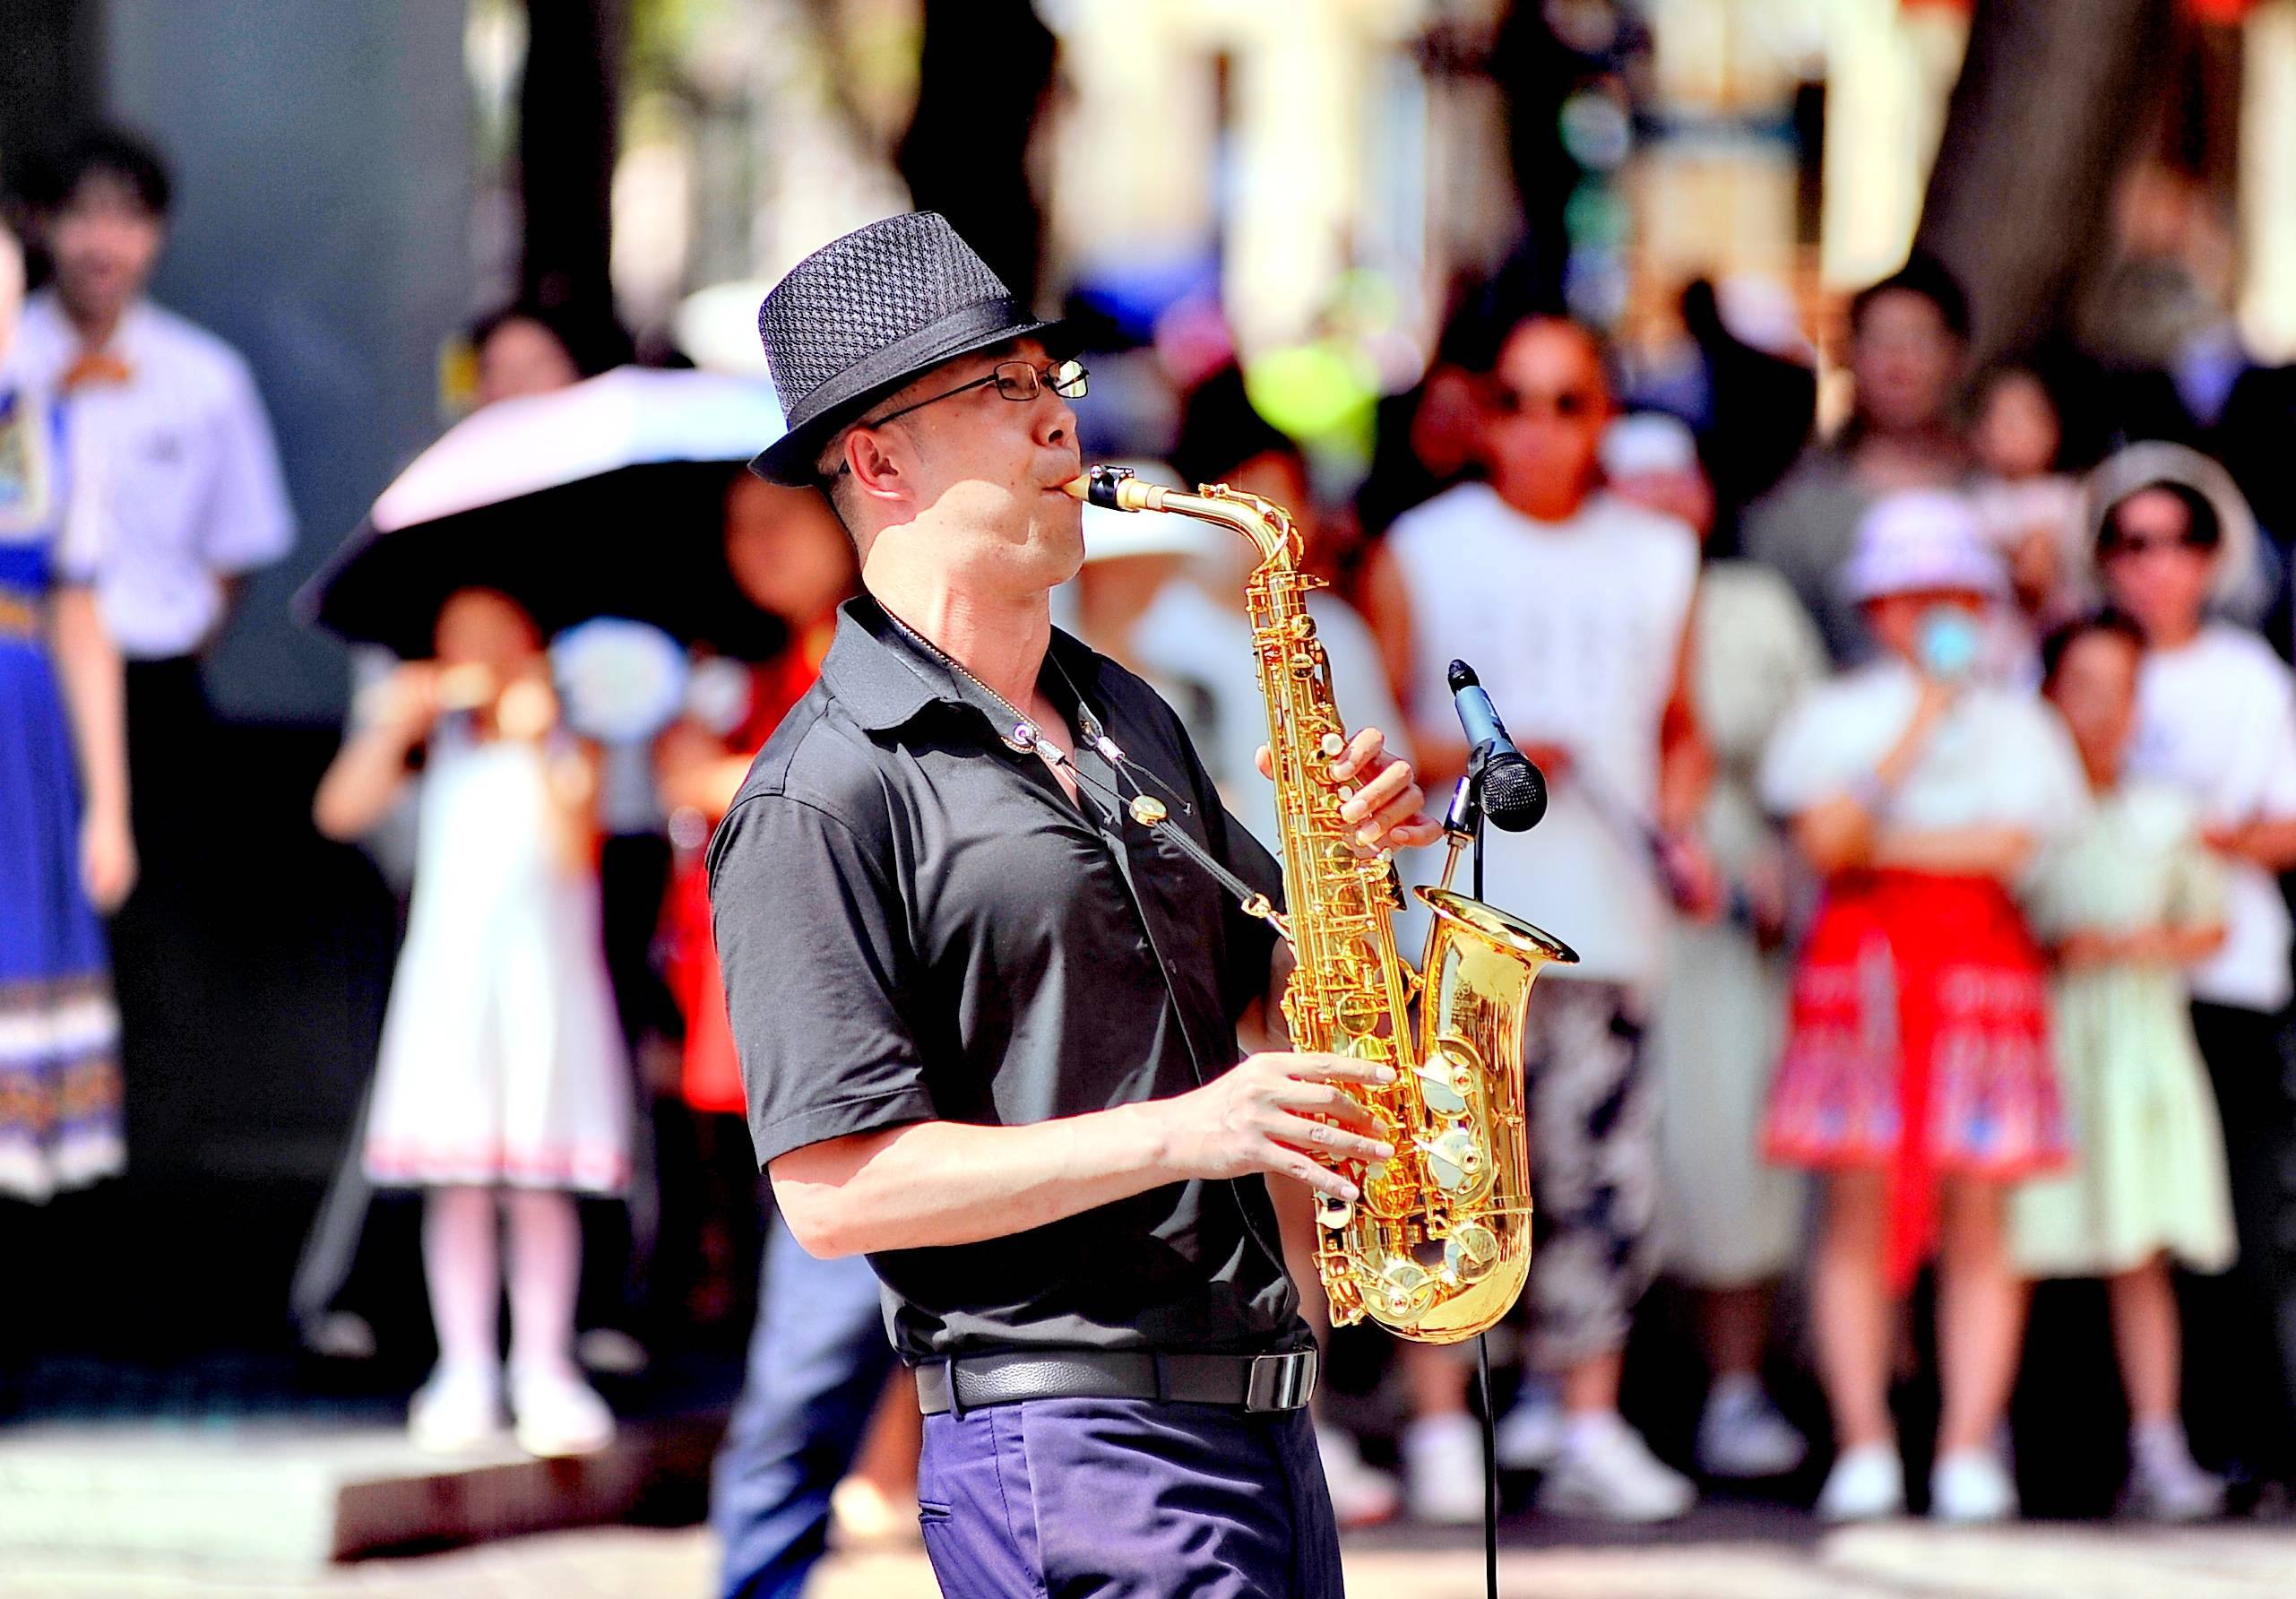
point(1281, 1381)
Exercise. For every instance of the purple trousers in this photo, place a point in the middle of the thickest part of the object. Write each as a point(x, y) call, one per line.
point(1127, 1498)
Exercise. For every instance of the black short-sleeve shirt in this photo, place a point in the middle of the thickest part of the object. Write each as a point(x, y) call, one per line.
point(916, 922)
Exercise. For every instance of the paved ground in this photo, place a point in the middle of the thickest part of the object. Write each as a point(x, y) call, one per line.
point(1716, 1556)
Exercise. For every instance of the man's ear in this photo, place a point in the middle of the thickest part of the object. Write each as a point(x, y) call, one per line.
point(878, 464)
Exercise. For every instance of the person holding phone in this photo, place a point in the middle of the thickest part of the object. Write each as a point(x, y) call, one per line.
point(1916, 1075)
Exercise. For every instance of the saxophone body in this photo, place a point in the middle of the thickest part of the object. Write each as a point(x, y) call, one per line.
point(1438, 1247)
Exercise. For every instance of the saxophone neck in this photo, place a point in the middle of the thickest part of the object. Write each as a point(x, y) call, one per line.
point(1266, 524)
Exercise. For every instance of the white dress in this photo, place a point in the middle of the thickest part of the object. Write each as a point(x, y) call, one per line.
point(502, 1060)
point(2151, 1173)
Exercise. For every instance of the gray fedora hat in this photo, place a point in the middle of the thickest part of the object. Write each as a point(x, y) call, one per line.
point(866, 312)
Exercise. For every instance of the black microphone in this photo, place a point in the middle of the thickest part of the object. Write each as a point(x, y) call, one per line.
point(1514, 790)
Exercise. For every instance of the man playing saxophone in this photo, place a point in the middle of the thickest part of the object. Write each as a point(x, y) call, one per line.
point(986, 956)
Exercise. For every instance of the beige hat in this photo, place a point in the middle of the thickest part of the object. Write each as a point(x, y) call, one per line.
point(2157, 461)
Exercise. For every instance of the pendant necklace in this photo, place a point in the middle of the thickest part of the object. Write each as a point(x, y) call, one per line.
point(1027, 738)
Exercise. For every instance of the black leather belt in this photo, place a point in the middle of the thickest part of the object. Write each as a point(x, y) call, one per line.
point(1251, 1382)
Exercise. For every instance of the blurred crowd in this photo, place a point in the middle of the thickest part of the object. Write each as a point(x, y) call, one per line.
point(1923, 790)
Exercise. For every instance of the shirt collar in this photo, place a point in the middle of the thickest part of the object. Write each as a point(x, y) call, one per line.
point(44, 319)
point(885, 678)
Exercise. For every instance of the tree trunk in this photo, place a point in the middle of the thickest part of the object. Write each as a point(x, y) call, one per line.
point(2042, 119)
point(983, 75)
point(566, 143)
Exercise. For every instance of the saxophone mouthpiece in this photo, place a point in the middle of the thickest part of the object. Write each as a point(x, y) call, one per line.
point(1114, 489)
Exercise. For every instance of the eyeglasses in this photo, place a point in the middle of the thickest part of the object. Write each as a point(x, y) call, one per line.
point(2114, 545)
point(1568, 405)
point(1011, 380)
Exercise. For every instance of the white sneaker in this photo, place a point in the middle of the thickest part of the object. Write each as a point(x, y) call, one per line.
point(1970, 1486)
point(1867, 1483)
point(1606, 1471)
point(2164, 1484)
point(558, 1414)
point(1742, 1434)
point(1361, 1495)
point(456, 1411)
point(1443, 1470)
point(1531, 1433)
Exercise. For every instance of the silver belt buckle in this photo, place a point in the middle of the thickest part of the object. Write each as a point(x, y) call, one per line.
point(1281, 1381)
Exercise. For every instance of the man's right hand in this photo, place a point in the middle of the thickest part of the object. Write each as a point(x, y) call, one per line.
point(1259, 1117)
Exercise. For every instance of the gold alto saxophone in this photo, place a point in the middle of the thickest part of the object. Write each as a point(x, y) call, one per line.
point(1438, 1247)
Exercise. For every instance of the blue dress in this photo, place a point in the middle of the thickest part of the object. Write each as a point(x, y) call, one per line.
point(60, 1124)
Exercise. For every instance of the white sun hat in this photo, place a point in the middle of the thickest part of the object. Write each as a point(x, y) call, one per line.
point(2153, 463)
point(1920, 541)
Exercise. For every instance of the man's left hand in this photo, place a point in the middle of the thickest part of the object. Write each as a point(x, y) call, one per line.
point(1385, 809)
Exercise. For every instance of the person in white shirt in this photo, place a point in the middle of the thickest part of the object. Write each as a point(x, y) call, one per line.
point(166, 416)
point(2216, 719)
point(1574, 606)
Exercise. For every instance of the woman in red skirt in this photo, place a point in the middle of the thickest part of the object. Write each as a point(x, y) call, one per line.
point(1917, 1073)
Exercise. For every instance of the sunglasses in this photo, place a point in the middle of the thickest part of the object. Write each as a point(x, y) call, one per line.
point(1569, 405)
point(1011, 380)
point(2112, 546)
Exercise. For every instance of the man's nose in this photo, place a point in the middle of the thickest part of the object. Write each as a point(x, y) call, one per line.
point(1056, 419)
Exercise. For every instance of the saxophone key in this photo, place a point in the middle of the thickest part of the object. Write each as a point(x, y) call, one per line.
point(1470, 1252)
point(1355, 1012)
point(1403, 1288)
point(1455, 1162)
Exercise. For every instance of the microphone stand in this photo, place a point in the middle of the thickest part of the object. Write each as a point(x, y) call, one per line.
point(1463, 833)
point(1463, 820)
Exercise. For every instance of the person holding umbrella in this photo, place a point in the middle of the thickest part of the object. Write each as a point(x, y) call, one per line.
point(502, 1080)
point(515, 526)
point(544, 497)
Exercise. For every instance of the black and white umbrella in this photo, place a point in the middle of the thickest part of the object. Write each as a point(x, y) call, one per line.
point(606, 499)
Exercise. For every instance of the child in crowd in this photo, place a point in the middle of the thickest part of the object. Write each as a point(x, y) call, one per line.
point(501, 1085)
point(1917, 1073)
point(2129, 899)
point(2029, 510)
